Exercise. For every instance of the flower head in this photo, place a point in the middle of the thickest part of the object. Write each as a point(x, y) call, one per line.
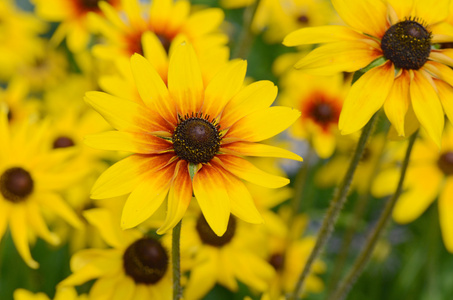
point(189, 139)
point(408, 75)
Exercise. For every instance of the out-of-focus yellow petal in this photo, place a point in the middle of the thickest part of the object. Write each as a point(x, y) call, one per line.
point(125, 289)
point(105, 287)
point(204, 21)
point(21, 294)
point(263, 124)
point(365, 98)
point(103, 221)
point(202, 279)
point(38, 224)
point(260, 150)
point(19, 232)
point(427, 106)
point(397, 102)
point(445, 92)
point(247, 171)
point(324, 144)
point(184, 80)
point(321, 34)
point(212, 197)
point(55, 203)
point(156, 53)
point(446, 214)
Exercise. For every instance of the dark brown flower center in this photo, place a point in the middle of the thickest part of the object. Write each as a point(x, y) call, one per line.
point(303, 19)
point(16, 184)
point(208, 236)
point(445, 163)
point(10, 115)
point(277, 260)
point(322, 111)
point(63, 142)
point(90, 4)
point(407, 44)
point(165, 41)
point(196, 139)
point(146, 261)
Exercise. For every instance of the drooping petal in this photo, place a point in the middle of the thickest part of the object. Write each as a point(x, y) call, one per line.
point(184, 80)
point(427, 106)
point(321, 34)
point(152, 89)
point(259, 150)
point(254, 97)
point(247, 171)
point(125, 175)
point(223, 86)
point(126, 115)
point(5, 208)
point(397, 102)
point(368, 16)
point(135, 142)
point(179, 197)
point(446, 214)
point(366, 97)
point(19, 232)
point(55, 203)
point(146, 198)
point(263, 124)
point(445, 92)
point(212, 197)
point(102, 219)
point(345, 56)
point(38, 224)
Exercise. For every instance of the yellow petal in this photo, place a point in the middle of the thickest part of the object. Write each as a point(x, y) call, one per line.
point(136, 142)
point(19, 232)
point(332, 58)
point(184, 80)
point(247, 171)
point(146, 198)
point(402, 8)
point(179, 197)
point(366, 97)
point(397, 102)
point(156, 54)
point(260, 150)
point(432, 11)
point(445, 92)
point(367, 16)
point(223, 87)
point(427, 106)
point(263, 124)
point(204, 21)
point(125, 289)
point(152, 89)
point(212, 197)
point(324, 143)
point(446, 214)
point(108, 228)
point(104, 288)
point(55, 203)
point(202, 279)
point(38, 224)
point(134, 14)
point(444, 56)
point(321, 34)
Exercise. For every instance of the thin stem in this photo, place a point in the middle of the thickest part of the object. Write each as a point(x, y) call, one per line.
point(300, 180)
point(175, 255)
point(335, 207)
point(246, 38)
point(370, 244)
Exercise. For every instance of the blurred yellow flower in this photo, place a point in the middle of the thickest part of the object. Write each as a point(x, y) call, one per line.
point(61, 294)
point(187, 139)
point(400, 36)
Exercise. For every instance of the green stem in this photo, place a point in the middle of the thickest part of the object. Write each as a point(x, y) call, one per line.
point(335, 207)
point(246, 38)
point(300, 180)
point(370, 244)
point(175, 255)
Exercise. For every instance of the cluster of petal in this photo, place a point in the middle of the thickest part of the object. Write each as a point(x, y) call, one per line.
point(154, 172)
point(403, 93)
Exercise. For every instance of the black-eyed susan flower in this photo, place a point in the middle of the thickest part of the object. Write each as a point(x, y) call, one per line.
point(429, 177)
point(31, 178)
point(61, 294)
point(236, 256)
point(409, 74)
point(189, 139)
point(136, 267)
point(152, 29)
point(320, 99)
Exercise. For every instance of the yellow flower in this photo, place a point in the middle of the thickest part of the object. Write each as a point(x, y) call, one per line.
point(30, 179)
point(73, 18)
point(230, 4)
point(409, 75)
point(226, 259)
point(15, 98)
point(136, 267)
point(189, 131)
point(151, 30)
point(320, 100)
point(61, 294)
point(429, 176)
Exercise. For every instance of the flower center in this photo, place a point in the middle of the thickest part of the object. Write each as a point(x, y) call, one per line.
point(90, 4)
point(302, 19)
point(16, 184)
point(277, 260)
point(196, 139)
point(146, 261)
point(445, 163)
point(407, 44)
point(209, 237)
point(63, 142)
point(322, 111)
point(10, 115)
point(165, 41)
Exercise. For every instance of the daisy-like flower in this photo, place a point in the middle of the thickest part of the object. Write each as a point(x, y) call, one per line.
point(73, 18)
point(429, 176)
point(30, 179)
point(189, 139)
point(136, 267)
point(319, 99)
point(409, 74)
